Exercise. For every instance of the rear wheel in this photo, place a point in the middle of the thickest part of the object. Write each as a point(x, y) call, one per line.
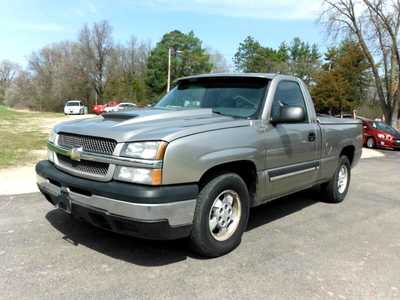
point(370, 142)
point(221, 215)
point(336, 189)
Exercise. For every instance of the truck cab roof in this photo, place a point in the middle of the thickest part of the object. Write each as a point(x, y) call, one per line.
point(269, 76)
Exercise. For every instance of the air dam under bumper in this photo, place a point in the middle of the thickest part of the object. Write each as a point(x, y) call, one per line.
point(164, 212)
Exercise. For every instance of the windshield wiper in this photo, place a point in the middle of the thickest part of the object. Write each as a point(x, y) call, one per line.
point(225, 115)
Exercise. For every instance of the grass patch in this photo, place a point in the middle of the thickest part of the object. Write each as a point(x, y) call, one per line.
point(21, 134)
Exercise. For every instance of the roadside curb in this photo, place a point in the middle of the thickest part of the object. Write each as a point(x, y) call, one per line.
point(18, 180)
point(371, 153)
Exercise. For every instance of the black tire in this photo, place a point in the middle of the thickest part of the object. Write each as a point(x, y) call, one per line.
point(201, 239)
point(330, 190)
point(370, 143)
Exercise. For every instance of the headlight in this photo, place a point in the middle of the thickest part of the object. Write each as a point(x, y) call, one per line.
point(381, 136)
point(145, 150)
point(139, 175)
point(53, 137)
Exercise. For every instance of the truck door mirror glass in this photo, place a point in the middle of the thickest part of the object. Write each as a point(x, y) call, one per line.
point(290, 114)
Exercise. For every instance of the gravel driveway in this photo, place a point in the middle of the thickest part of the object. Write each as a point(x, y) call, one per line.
point(295, 248)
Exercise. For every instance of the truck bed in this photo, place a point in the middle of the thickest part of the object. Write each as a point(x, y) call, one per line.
point(326, 120)
point(336, 134)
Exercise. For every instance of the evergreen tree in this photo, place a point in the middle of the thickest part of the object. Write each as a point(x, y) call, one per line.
point(188, 58)
point(343, 81)
point(252, 57)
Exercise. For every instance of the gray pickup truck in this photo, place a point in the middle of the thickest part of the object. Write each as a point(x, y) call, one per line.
point(195, 163)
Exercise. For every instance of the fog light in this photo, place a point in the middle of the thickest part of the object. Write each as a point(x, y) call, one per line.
point(139, 175)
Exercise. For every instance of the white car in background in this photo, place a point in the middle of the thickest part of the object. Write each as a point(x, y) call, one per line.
point(121, 107)
point(75, 107)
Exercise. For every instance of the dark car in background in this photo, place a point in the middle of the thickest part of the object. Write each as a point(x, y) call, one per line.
point(377, 134)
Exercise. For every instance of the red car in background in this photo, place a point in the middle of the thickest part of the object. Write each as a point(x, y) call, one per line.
point(99, 108)
point(380, 135)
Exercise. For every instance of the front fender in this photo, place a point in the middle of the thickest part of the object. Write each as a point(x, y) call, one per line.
point(188, 158)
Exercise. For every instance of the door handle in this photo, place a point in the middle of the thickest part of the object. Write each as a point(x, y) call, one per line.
point(311, 137)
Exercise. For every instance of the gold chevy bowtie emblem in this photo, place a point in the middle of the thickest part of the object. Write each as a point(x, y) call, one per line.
point(75, 153)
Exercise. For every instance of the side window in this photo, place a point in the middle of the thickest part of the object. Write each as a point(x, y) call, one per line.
point(288, 93)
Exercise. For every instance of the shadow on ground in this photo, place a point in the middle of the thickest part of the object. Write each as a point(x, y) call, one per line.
point(158, 253)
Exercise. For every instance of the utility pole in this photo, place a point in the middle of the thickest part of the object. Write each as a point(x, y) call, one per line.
point(169, 70)
point(169, 66)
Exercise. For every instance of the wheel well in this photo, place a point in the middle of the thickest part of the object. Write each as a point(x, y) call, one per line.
point(349, 152)
point(244, 168)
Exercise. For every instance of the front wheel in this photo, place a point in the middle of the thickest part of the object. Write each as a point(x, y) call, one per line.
point(336, 189)
point(221, 215)
point(370, 142)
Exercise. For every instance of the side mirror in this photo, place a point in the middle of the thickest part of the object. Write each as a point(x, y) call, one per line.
point(290, 114)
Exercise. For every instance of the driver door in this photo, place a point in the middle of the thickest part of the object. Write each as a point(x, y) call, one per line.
point(292, 149)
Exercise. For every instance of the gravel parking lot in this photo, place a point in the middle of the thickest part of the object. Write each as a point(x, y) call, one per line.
point(296, 247)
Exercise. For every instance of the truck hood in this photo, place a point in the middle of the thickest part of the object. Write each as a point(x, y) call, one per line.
point(151, 124)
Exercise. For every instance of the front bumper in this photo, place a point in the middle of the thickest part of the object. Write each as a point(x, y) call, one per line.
point(388, 144)
point(164, 212)
point(72, 112)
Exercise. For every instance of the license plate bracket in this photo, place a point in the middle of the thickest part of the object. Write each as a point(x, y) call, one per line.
point(64, 200)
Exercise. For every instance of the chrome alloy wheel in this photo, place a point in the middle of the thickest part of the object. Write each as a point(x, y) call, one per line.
point(370, 143)
point(225, 214)
point(343, 178)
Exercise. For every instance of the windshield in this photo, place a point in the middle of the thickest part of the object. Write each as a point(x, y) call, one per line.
point(382, 126)
point(236, 97)
point(72, 103)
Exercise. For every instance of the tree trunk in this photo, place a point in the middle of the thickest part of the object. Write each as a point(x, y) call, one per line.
point(395, 113)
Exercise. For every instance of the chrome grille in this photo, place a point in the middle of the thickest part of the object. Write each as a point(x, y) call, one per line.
point(88, 143)
point(84, 167)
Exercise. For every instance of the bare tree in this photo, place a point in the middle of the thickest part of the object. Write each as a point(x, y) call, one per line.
point(43, 66)
point(218, 61)
point(126, 71)
point(375, 24)
point(21, 92)
point(59, 73)
point(96, 46)
point(8, 71)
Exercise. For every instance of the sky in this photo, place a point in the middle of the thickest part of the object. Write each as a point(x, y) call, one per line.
point(26, 26)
